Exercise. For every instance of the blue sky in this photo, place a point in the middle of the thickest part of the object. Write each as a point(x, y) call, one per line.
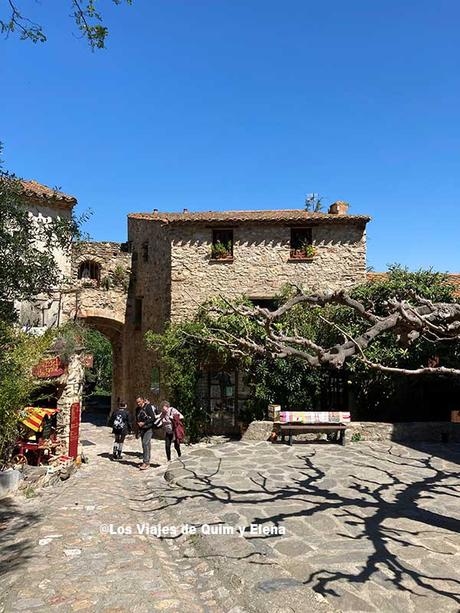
point(227, 104)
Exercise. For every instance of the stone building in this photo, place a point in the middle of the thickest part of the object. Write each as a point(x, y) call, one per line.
point(45, 204)
point(179, 260)
point(173, 262)
point(97, 296)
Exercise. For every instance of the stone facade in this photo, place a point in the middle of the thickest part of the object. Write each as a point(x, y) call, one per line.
point(261, 264)
point(166, 270)
point(173, 271)
point(105, 296)
point(100, 302)
point(45, 205)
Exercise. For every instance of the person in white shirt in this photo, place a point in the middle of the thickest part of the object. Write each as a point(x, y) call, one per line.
point(170, 417)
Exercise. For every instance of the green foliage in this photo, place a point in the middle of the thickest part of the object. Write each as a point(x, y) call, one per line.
point(19, 352)
point(85, 14)
point(375, 391)
point(27, 248)
point(186, 348)
point(309, 250)
point(405, 285)
point(120, 278)
point(98, 379)
point(313, 203)
point(179, 371)
point(221, 250)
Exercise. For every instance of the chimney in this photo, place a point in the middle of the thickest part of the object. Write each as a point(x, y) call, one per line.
point(185, 210)
point(155, 211)
point(338, 208)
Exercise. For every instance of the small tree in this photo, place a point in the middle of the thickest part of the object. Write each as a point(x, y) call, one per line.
point(381, 330)
point(313, 203)
point(19, 353)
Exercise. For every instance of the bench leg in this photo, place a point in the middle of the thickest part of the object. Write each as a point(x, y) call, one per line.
point(283, 438)
point(290, 439)
point(342, 438)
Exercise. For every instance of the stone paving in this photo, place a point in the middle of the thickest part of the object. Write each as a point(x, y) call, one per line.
point(56, 557)
point(372, 526)
point(368, 527)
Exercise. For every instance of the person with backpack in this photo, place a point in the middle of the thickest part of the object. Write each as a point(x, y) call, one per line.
point(147, 418)
point(121, 424)
point(174, 428)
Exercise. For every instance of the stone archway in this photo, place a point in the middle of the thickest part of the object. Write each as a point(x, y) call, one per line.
point(107, 323)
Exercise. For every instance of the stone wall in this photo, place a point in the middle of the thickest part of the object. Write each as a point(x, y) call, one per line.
point(261, 266)
point(72, 392)
point(150, 284)
point(410, 431)
point(172, 274)
point(43, 311)
point(102, 304)
point(404, 432)
point(111, 292)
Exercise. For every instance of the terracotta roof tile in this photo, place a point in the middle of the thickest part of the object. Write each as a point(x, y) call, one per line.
point(43, 192)
point(278, 216)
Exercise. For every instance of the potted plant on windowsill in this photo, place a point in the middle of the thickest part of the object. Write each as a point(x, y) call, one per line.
point(221, 251)
point(306, 251)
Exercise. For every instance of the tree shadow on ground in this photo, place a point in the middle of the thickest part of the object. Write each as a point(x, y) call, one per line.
point(448, 451)
point(15, 551)
point(367, 510)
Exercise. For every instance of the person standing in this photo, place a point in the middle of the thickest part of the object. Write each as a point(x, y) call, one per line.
point(174, 430)
point(147, 418)
point(121, 424)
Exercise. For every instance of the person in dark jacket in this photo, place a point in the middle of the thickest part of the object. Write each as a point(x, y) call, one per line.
point(147, 418)
point(121, 424)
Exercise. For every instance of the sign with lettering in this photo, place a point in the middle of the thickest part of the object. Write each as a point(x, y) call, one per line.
point(47, 369)
point(74, 434)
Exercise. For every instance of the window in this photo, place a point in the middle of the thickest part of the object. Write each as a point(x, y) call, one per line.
point(89, 270)
point(222, 244)
point(137, 313)
point(302, 243)
point(265, 303)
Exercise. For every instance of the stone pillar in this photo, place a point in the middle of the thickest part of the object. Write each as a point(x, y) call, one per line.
point(72, 392)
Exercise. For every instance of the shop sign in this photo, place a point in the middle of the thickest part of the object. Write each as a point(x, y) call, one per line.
point(49, 368)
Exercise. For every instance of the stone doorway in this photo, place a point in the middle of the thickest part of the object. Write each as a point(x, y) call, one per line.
point(112, 330)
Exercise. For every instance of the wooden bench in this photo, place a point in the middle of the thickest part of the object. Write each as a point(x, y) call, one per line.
point(338, 430)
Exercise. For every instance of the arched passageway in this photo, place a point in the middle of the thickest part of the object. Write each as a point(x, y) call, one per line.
point(112, 328)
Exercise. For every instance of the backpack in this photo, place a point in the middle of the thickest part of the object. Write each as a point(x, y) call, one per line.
point(155, 422)
point(118, 423)
point(178, 428)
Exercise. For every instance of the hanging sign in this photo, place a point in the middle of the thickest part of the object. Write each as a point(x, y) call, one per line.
point(47, 369)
